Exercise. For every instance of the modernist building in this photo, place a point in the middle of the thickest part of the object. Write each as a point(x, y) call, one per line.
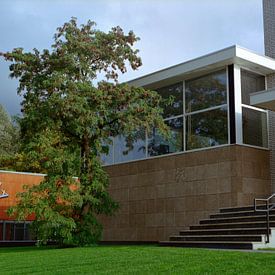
point(221, 154)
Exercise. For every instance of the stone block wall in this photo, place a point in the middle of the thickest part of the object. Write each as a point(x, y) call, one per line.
point(161, 196)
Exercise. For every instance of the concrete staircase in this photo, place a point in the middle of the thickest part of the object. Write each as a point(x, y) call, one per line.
point(231, 228)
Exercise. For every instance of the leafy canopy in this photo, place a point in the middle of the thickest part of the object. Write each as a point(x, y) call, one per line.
point(8, 135)
point(68, 119)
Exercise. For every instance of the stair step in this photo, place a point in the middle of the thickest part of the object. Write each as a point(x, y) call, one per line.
point(241, 208)
point(237, 231)
point(218, 238)
point(230, 228)
point(240, 214)
point(237, 219)
point(219, 245)
point(231, 225)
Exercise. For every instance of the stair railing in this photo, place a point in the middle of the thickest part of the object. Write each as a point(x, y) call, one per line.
point(268, 207)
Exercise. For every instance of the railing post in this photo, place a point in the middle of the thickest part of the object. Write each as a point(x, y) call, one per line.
point(267, 226)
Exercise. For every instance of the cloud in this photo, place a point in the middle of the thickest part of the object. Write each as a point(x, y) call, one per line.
point(171, 31)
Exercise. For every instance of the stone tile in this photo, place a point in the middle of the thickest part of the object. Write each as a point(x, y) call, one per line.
point(255, 186)
point(190, 203)
point(123, 221)
point(151, 206)
point(225, 200)
point(170, 205)
point(211, 202)
point(211, 170)
point(180, 219)
point(236, 184)
point(170, 190)
point(160, 189)
point(160, 219)
point(251, 169)
point(150, 220)
point(224, 185)
point(160, 205)
point(121, 195)
point(211, 186)
point(224, 169)
point(170, 219)
point(141, 206)
point(236, 168)
point(180, 204)
point(180, 160)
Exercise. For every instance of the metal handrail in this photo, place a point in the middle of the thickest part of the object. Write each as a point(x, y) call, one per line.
point(268, 208)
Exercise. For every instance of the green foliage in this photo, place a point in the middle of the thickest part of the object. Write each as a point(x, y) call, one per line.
point(67, 120)
point(9, 135)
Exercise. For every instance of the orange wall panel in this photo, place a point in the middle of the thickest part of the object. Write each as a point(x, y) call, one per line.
point(13, 183)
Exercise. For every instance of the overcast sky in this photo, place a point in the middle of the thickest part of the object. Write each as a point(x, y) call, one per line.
point(171, 31)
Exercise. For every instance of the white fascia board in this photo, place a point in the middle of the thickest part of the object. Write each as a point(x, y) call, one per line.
point(260, 63)
point(234, 54)
point(185, 67)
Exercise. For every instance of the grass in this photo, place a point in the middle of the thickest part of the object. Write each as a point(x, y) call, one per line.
point(133, 260)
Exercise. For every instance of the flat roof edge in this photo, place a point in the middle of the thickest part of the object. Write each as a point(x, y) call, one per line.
point(22, 173)
point(262, 96)
point(226, 56)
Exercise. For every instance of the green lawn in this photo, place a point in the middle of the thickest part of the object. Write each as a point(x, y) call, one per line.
point(133, 260)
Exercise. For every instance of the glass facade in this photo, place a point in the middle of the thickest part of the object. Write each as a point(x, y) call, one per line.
point(255, 127)
point(254, 120)
point(251, 83)
point(15, 231)
point(176, 91)
point(198, 118)
point(134, 148)
point(206, 91)
point(207, 129)
point(157, 145)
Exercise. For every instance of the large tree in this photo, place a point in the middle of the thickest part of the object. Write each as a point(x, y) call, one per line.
point(68, 119)
point(8, 135)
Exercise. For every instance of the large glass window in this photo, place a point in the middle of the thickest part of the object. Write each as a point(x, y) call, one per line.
point(254, 127)
point(157, 145)
point(204, 122)
point(130, 149)
point(251, 83)
point(176, 91)
point(206, 129)
point(108, 158)
point(205, 92)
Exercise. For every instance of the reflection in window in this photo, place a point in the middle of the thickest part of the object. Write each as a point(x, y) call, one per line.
point(206, 91)
point(251, 83)
point(157, 145)
point(206, 129)
point(130, 149)
point(107, 159)
point(254, 127)
point(175, 91)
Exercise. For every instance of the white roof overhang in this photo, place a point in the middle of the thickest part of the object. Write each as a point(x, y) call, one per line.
point(232, 55)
